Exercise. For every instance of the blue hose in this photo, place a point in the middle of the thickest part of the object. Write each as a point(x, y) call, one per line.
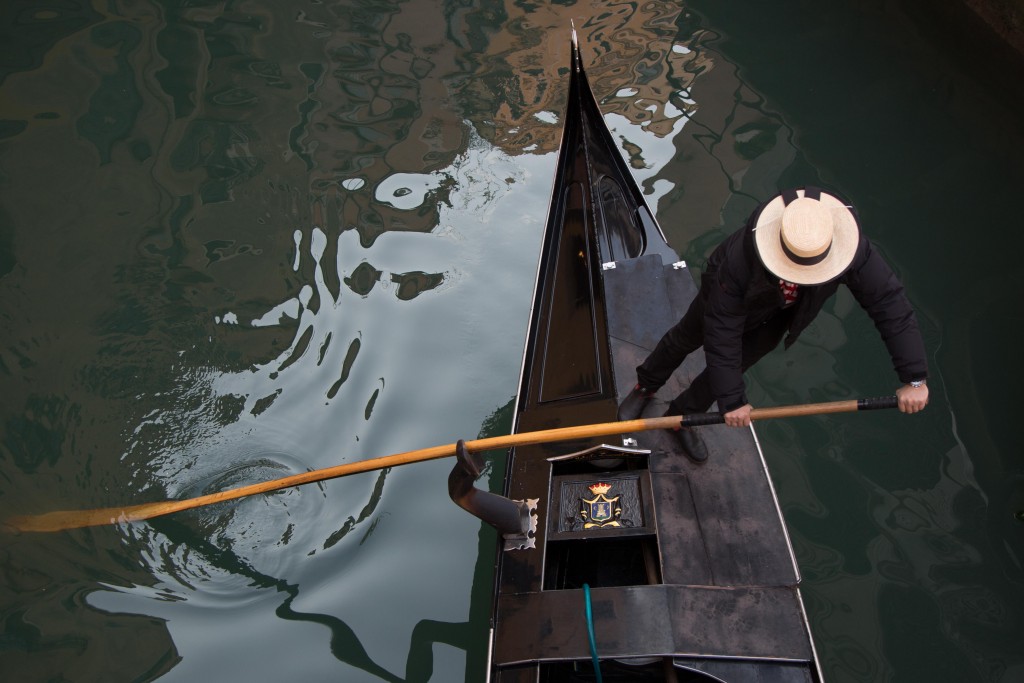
point(590, 633)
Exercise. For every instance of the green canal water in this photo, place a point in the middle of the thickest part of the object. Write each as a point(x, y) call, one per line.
point(240, 240)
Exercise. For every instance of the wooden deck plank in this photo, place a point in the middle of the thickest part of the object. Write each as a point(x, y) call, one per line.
point(737, 623)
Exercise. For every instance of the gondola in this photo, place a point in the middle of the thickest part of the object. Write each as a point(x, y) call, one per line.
point(624, 561)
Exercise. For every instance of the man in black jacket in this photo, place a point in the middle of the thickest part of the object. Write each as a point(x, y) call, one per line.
point(768, 279)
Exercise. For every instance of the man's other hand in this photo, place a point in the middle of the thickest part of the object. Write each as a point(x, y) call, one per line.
point(739, 417)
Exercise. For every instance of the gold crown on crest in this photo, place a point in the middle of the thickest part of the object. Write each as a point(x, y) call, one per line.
point(599, 488)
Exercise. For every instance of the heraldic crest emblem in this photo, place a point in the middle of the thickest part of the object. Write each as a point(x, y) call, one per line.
point(600, 511)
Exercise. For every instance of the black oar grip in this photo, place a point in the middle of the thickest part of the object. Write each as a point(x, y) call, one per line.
point(880, 403)
point(702, 419)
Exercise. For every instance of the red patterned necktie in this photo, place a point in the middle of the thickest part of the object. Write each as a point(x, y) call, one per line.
point(788, 292)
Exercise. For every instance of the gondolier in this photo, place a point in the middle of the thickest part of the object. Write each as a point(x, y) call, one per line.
point(767, 281)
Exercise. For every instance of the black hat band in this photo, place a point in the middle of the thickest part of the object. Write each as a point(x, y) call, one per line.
point(804, 260)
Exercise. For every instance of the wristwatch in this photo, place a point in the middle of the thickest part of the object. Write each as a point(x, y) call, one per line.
point(918, 383)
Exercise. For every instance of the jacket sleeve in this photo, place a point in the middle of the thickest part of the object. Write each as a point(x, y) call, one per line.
point(724, 320)
point(880, 293)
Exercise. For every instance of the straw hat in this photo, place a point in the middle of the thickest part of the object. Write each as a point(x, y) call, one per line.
point(808, 241)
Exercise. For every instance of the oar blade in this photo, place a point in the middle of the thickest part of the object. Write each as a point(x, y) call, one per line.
point(76, 519)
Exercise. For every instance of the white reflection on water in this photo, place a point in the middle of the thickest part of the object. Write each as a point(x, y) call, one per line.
point(421, 375)
point(407, 190)
point(652, 152)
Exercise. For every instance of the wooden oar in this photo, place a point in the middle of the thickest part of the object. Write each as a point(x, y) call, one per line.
point(74, 519)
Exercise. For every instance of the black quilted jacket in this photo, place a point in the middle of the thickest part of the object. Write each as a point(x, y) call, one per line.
point(740, 294)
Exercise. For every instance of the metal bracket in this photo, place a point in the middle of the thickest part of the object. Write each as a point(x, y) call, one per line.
point(528, 539)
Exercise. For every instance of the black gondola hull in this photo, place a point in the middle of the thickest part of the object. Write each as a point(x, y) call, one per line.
point(689, 567)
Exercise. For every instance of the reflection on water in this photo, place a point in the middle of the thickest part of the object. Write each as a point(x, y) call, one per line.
point(239, 241)
point(249, 241)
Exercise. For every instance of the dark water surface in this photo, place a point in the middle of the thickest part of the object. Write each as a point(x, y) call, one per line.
point(240, 240)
